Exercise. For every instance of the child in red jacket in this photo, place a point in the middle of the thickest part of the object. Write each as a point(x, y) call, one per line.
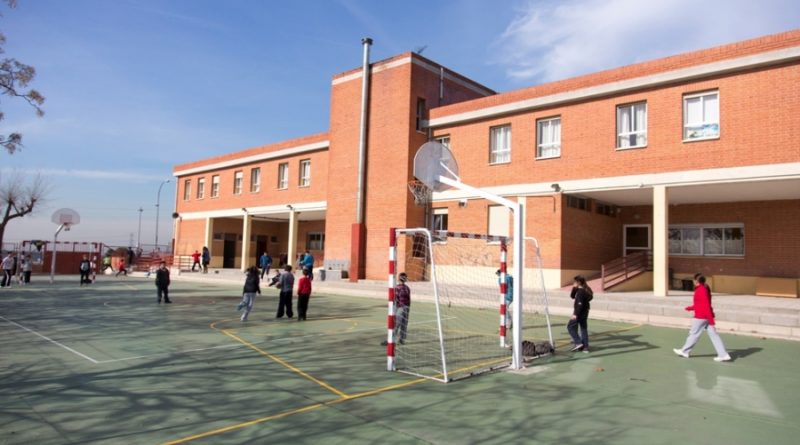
point(703, 319)
point(303, 294)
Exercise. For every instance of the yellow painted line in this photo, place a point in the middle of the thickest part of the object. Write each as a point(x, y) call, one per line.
point(286, 364)
point(244, 424)
point(300, 410)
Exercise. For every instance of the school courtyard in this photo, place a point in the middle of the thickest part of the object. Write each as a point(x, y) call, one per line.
point(105, 364)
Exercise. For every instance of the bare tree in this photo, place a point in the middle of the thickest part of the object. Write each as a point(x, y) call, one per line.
point(19, 197)
point(14, 79)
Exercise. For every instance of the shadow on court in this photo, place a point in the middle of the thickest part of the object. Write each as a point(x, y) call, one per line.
point(190, 372)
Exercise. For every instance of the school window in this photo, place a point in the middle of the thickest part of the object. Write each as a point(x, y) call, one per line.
point(238, 177)
point(701, 116)
point(201, 188)
point(444, 140)
point(215, 186)
point(707, 240)
point(499, 217)
point(283, 175)
point(606, 209)
point(420, 114)
point(439, 224)
point(500, 145)
point(632, 125)
point(548, 138)
point(578, 203)
point(315, 241)
point(305, 173)
point(187, 189)
point(255, 180)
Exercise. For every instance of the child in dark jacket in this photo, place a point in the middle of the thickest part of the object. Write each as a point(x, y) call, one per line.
point(251, 288)
point(162, 282)
point(303, 294)
point(582, 294)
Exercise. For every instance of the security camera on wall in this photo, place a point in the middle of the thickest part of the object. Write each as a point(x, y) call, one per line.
point(462, 203)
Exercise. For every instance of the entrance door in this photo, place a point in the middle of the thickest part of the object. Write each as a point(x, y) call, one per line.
point(261, 246)
point(636, 238)
point(229, 251)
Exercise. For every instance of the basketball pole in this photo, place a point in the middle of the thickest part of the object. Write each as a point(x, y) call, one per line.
point(519, 243)
point(55, 250)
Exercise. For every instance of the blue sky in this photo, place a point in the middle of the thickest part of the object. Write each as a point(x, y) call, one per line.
point(134, 87)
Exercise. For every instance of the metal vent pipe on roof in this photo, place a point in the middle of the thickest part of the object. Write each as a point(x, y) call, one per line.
point(366, 42)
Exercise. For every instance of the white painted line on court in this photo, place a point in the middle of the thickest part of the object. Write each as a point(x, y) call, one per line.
point(51, 340)
point(185, 351)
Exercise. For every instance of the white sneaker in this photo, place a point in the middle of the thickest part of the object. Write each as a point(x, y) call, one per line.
point(726, 358)
point(681, 353)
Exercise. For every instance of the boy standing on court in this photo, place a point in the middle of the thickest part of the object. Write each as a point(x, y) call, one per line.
point(196, 260)
point(402, 306)
point(303, 294)
point(265, 262)
point(285, 285)
point(162, 282)
point(85, 267)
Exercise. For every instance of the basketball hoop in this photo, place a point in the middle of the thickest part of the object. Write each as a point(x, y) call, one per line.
point(64, 218)
point(422, 193)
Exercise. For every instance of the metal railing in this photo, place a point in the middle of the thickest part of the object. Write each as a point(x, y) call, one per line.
point(623, 269)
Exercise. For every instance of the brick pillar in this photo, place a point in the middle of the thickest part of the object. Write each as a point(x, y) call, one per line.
point(357, 242)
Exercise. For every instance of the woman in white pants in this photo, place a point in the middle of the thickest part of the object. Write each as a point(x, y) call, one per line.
point(703, 320)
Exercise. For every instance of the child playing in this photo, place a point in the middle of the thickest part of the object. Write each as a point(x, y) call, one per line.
point(303, 294)
point(122, 268)
point(402, 306)
point(162, 282)
point(251, 288)
point(703, 320)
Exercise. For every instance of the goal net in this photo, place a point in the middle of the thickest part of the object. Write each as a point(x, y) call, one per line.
point(456, 324)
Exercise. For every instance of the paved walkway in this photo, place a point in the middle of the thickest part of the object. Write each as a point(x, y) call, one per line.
point(739, 314)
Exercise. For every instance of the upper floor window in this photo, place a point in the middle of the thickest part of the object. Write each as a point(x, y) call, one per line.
point(444, 140)
point(255, 180)
point(632, 125)
point(238, 178)
point(701, 116)
point(187, 189)
point(215, 186)
point(420, 114)
point(548, 138)
point(500, 145)
point(283, 175)
point(305, 173)
point(201, 188)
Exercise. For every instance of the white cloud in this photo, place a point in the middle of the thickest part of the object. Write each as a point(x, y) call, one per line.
point(124, 176)
point(555, 40)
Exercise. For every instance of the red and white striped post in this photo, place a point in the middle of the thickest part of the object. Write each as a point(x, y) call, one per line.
point(390, 318)
point(503, 308)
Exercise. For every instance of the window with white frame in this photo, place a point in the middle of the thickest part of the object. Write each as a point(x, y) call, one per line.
point(632, 125)
point(315, 241)
point(201, 188)
point(305, 173)
point(439, 220)
point(215, 186)
point(701, 116)
point(548, 138)
point(500, 145)
point(283, 175)
point(238, 178)
point(444, 140)
point(255, 180)
point(499, 221)
point(187, 189)
point(707, 240)
point(420, 118)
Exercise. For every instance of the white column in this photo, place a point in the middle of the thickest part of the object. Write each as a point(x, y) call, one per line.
point(209, 233)
point(247, 225)
point(176, 231)
point(291, 253)
point(660, 241)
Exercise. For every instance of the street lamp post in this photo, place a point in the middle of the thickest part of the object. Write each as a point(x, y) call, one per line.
point(139, 235)
point(158, 203)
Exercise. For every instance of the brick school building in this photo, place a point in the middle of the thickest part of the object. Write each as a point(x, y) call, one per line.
point(685, 164)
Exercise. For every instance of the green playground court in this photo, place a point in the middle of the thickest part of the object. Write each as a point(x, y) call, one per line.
point(105, 364)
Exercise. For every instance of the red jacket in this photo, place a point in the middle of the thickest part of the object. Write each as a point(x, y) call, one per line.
point(196, 257)
point(702, 304)
point(304, 286)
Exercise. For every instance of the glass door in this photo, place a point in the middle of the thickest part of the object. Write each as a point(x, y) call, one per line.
point(636, 238)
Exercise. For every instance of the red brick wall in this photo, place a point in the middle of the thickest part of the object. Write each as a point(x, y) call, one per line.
point(589, 238)
point(771, 236)
point(694, 58)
